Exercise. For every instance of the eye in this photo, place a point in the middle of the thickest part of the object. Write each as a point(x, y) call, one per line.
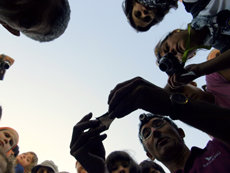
point(146, 132)
point(11, 142)
point(137, 14)
point(7, 135)
point(114, 167)
point(157, 123)
point(125, 164)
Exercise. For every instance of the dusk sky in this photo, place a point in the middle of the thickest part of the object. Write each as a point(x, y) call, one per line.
point(51, 86)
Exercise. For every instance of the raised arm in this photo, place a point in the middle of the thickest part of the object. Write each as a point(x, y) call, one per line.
point(138, 93)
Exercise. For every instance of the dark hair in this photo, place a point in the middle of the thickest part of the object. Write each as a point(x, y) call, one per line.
point(147, 164)
point(117, 156)
point(127, 6)
point(59, 17)
point(146, 117)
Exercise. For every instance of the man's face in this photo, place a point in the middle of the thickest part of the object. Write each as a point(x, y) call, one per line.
point(8, 139)
point(164, 142)
point(25, 159)
point(142, 16)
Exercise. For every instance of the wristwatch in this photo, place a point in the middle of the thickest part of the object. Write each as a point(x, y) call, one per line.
point(179, 102)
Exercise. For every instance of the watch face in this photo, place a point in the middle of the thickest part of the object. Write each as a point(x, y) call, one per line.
point(179, 98)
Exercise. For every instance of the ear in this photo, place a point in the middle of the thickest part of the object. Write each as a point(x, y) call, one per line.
point(150, 156)
point(181, 132)
point(193, 83)
point(11, 30)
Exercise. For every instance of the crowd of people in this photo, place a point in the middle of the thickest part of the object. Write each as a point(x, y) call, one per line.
point(180, 99)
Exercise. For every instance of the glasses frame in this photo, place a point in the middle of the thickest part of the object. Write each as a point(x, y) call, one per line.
point(152, 128)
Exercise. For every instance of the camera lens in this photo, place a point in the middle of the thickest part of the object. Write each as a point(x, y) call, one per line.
point(4, 65)
point(165, 64)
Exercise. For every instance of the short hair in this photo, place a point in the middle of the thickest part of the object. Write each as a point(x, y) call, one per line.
point(59, 19)
point(127, 6)
point(147, 118)
point(33, 163)
point(146, 165)
point(117, 156)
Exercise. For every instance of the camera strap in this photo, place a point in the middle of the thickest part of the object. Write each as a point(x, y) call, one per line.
point(189, 49)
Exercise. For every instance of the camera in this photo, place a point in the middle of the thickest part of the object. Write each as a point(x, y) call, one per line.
point(4, 64)
point(105, 120)
point(170, 64)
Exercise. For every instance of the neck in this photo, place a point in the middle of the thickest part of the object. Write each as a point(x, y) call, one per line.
point(178, 161)
point(198, 36)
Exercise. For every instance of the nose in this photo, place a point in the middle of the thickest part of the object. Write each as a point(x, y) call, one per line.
point(6, 141)
point(121, 169)
point(156, 134)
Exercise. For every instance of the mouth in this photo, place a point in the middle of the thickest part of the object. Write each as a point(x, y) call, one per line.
point(1, 143)
point(161, 142)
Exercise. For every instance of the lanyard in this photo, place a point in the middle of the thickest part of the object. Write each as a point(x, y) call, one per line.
point(188, 48)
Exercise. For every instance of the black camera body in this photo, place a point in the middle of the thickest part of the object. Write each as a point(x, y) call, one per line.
point(4, 64)
point(170, 64)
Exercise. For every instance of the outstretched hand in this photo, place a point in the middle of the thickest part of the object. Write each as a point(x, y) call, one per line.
point(86, 144)
point(177, 80)
point(137, 93)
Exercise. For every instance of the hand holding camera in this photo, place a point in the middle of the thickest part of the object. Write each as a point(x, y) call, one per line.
point(5, 63)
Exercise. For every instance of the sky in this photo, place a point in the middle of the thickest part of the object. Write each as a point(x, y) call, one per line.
point(51, 86)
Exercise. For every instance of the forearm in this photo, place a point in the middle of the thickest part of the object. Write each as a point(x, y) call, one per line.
point(219, 63)
point(209, 118)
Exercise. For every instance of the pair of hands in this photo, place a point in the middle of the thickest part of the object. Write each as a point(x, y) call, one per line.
point(86, 144)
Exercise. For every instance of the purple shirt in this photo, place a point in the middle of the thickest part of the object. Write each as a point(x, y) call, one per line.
point(220, 88)
point(214, 158)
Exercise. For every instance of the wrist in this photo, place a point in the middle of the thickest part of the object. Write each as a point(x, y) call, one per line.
point(179, 105)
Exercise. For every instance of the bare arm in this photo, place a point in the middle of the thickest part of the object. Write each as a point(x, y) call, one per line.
point(138, 93)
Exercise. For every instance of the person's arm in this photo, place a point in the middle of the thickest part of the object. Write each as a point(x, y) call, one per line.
point(86, 145)
point(138, 93)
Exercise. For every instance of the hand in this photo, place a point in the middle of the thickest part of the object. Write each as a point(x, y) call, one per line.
point(177, 80)
point(137, 93)
point(86, 144)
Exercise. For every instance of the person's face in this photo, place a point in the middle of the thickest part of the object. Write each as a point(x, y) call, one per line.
point(142, 16)
point(44, 170)
point(25, 159)
point(175, 44)
point(80, 169)
point(163, 142)
point(8, 139)
point(121, 167)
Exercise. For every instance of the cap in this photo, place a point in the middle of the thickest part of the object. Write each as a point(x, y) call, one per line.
point(46, 163)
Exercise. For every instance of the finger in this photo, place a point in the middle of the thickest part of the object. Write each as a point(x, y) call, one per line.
point(86, 117)
point(85, 136)
point(120, 85)
point(125, 91)
point(80, 128)
point(76, 151)
point(82, 125)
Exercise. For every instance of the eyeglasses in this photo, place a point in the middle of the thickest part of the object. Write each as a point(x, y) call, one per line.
point(148, 131)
